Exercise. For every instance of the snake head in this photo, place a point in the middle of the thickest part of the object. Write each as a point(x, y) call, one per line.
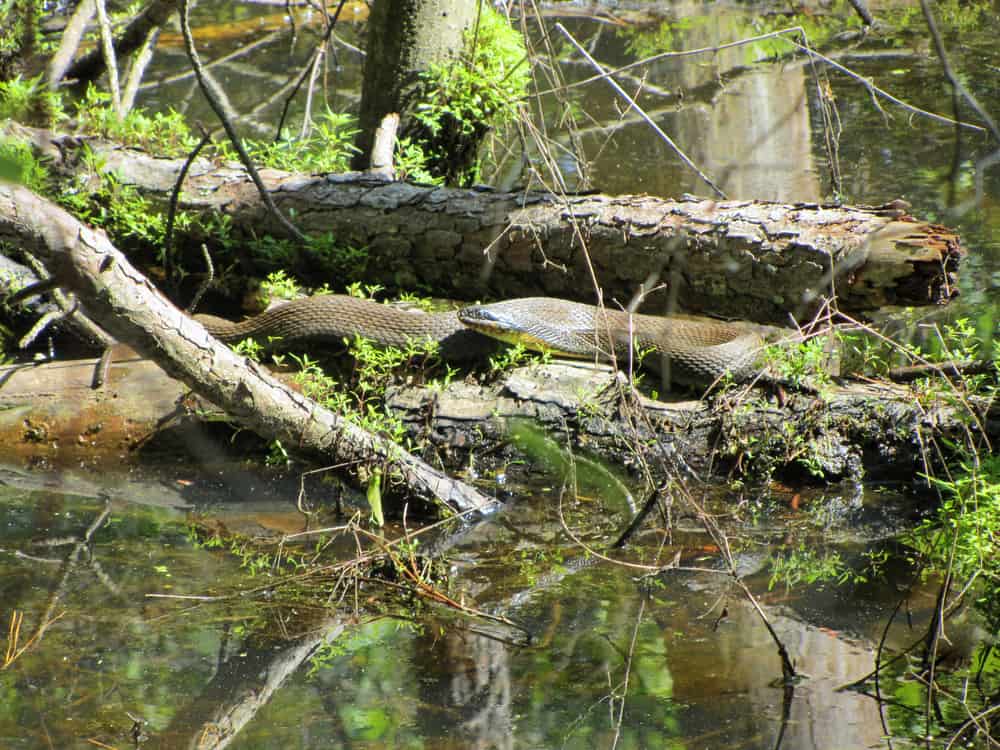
point(518, 321)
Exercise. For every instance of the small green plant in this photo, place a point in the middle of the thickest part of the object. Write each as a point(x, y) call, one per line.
point(279, 285)
point(807, 566)
point(459, 103)
point(413, 165)
point(362, 404)
point(251, 349)
point(516, 355)
point(277, 455)
point(18, 164)
point(964, 535)
point(321, 253)
point(376, 366)
point(802, 365)
point(328, 148)
point(165, 134)
point(364, 291)
point(29, 101)
point(374, 496)
point(119, 208)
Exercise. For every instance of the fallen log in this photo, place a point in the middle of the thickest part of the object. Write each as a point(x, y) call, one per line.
point(48, 412)
point(124, 302)
point(744, 259)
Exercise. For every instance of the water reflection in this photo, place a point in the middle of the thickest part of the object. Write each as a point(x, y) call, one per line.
point(679, 658)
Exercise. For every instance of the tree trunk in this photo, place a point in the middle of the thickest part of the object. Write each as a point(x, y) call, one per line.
point(122, 301)
point(405, 37)
point(742, 259)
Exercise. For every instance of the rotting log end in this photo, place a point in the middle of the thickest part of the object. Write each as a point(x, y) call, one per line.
point(910, 263)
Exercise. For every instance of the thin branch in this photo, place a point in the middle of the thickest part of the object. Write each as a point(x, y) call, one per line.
point(782, 33)
point(110, 61)
point(70, 43)
point(649, 121)
point(175, 195)
point(139, 64)
point(213, 100)
point(305, 73)
point(957, 86)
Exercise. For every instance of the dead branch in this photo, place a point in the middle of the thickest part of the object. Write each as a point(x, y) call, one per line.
point(124, 302)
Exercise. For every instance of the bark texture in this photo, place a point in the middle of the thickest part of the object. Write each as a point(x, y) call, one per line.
point(49, 413)
point(405, 37)
point(853, 431)
point(743, 259)
point(124, 302)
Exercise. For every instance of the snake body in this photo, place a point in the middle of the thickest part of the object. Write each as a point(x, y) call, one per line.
point(698, 350)
point(330, 318)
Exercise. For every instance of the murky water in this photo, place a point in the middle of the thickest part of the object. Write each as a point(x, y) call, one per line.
point(134, 627)
point(144, 621)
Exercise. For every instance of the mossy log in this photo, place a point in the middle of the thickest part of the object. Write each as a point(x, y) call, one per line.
point(49, 413)
point(743, 259)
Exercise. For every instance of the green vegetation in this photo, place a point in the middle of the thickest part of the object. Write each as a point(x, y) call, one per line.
point(29, 102)
point(20, 34)
point(460, 103)
point(120, 209)
point(327, 148)
point(807, 565)
point(321, 253)
point(963, 537)
point(278, 285)
point(803, 366)
point(515, 355)
point(952, 16)
point(18, 164)
point(163, 134)
point(359, 401)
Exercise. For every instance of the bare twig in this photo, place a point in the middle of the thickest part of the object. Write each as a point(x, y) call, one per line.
point(306, 72)
point(958, 87)
point(862, 10)
point(802, 46)
point(138, 67)
point(110, 61)
point(175, 195)
point(649, 121)
point(213, 99)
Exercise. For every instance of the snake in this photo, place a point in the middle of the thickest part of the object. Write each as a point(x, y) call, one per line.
point(697, 350)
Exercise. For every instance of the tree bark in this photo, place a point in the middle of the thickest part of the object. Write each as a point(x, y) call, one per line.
point(49, 412)
point(743, 259)
point(405, 37)
point(121, 300)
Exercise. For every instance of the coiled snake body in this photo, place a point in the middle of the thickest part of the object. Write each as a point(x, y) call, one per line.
point(698, 350)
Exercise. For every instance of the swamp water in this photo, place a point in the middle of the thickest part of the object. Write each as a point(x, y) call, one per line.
point(147, 622)
point(614, 658)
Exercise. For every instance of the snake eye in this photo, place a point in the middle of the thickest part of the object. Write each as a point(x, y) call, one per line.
point(477, 314)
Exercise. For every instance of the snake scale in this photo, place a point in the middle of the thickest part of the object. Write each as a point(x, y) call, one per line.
point(699, 350)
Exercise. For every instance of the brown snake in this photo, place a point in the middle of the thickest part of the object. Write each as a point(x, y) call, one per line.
point(699, 350)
